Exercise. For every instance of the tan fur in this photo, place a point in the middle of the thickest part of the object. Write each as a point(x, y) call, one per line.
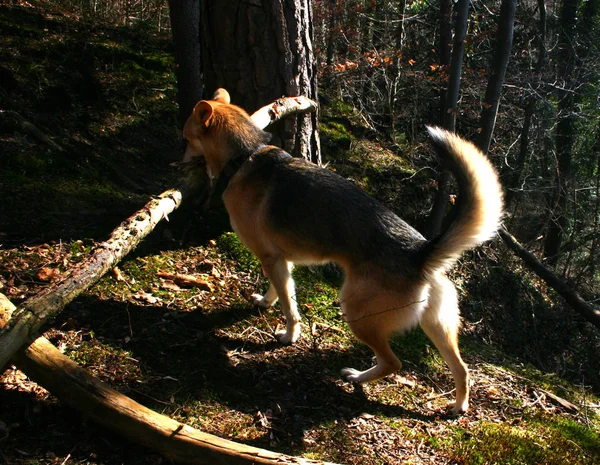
point(288, 211)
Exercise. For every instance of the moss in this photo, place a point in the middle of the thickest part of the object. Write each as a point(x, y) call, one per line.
point(335, 138)
point(547, 440)
point(230, 244)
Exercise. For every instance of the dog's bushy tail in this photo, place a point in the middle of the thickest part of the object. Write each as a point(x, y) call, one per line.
point(478, 210)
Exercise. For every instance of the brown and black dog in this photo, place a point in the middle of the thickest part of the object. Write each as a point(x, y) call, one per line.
point(289, 211)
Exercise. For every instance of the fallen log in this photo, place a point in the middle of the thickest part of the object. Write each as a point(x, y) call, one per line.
point(575, 301)
point(28, 319)
point(179, 442)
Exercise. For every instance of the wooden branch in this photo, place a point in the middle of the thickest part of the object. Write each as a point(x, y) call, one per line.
point(33, 130)
point(26, 322)
point(29, 318)
point(104, 405)
point(572, 298)
point(281, 108)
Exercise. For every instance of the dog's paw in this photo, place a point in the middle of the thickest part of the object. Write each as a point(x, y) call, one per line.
point(458, 409)
point(288, 337)
point(351, 375)
point(260, 301)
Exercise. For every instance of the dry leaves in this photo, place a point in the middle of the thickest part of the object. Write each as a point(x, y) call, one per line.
point(146, 297)
point(48, 274)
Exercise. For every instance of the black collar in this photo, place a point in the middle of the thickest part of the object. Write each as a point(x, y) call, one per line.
point(228, 171)
point(232, 167)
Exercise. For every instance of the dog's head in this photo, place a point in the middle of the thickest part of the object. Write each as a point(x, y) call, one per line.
point(220, 131)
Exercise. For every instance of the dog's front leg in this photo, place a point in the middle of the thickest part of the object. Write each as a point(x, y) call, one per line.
point(279, 271)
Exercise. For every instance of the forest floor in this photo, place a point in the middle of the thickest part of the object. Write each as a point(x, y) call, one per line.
point(102, 100)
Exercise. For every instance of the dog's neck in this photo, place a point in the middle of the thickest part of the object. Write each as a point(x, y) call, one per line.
point(232, 166)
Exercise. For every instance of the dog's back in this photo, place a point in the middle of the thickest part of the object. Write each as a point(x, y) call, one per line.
point(318, 210)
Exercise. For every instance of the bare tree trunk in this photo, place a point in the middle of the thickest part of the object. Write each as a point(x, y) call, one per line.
point(260, 51)
point(185, 17)
point(331, 33)
point(564, 136)
point(515, 177)
point(498, 71)
point(449, 122)
point(512, 184)
point(445, 47)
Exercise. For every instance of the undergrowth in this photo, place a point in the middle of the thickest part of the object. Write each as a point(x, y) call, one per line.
point(203, 354)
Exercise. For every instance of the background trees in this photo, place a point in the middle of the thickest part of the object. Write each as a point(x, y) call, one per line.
point(390, 61)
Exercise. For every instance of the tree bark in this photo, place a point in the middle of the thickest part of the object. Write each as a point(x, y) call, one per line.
point(576, 302)
point(506, 26)
point(26, 322)
point(260, 51)
point(564, 136)
point(102, 404)
point(440, 203)
point(185, 27)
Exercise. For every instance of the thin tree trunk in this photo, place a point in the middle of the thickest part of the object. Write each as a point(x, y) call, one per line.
point(504, 40)
point(514, 179)
point(441, 199)
point(445, 48)
point(185, 17)
point(576, 302)
point(515, 176)
point(331, 33)
point(564, 136)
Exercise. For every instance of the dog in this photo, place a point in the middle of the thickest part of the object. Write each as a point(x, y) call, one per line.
point(289, 211)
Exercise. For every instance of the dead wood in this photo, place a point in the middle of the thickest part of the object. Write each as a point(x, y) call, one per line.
point(576, 302)
point(33, 130)
point(104, 405)
point(186, 280)
point(29, 317)
point(6, 310)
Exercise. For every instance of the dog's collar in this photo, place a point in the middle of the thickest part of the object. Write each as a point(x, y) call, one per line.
point(232, 167)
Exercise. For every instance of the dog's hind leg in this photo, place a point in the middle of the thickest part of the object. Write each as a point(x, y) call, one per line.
point(365, 308)
point(279, 271)
point(387, 362)
point(267, 300)
point(441, 322)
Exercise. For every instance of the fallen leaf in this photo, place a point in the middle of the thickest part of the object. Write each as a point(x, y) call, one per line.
point(146, 297)
point(48, 274)
point(118, 274)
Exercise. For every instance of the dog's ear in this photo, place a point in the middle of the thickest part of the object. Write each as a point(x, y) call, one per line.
point(203, 112)
point(222, 96)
